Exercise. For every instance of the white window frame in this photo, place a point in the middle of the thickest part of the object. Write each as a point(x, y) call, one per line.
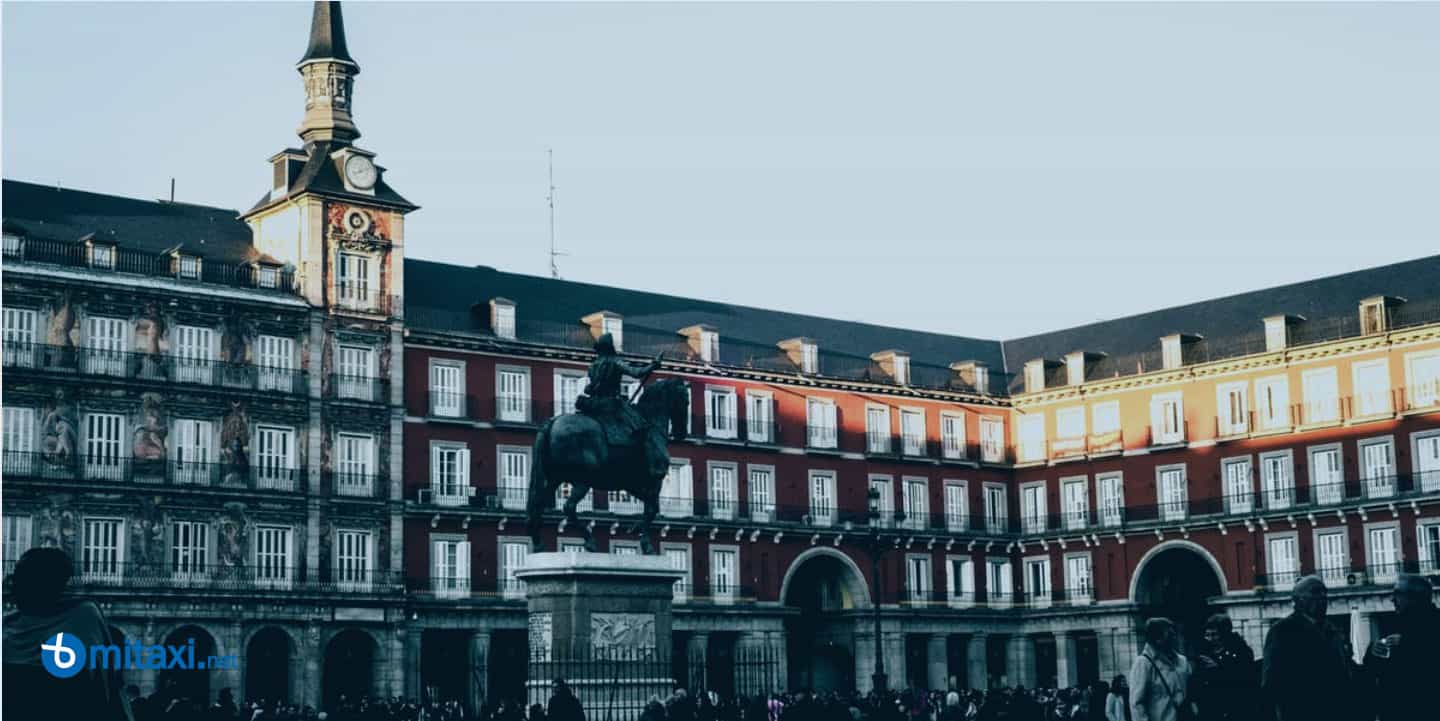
point(1277, 479)
point(1079, 585)
point(1237, 484)
point(447, 388)
point(1167, 418)
point(883, 485)
point(1031, 430)
point(809, 358)
point(1280, 576)
point(1272, 403)
point(274, 556)
point(677, 490)
point(821, 424)
point(1327, 485)
point(106, 458)
point(719, 423)
point(189, 551)
point(1111, 511)
point(615, 326)
point(760, 487)
point(1372, 401)
point(447, 489)
point(107, 343)
point(354, 559)
point(952, 434)
point(1037, 597)
point(355, 280)
point(502, 320)
point(1378, 569)
point(510, 555)
point(192, 450)
point(355, 372)
point(1070, 423)
point(956, 500)
point(449, 580)
point(569, 385)
point(275, 470)
point(275, 356)
point(914, 437)
point(1334, 574)
point(20, 447)
point(1429, 555)
point(1105, 417)
point(919, 577)
point(512, 398)
point(1425, 460)
point(354, 464)
point(1422, 379)
point(877, 428)
point(992, 439)
point(760, 417)
point(1034, 514)
point(724, 587)
point(723, 489)
point(915, 494)
point(20, 332)
point(18, 538)
point(102, 549)
point(999, 571)
point(512, 475)
point(1173, 506)
point(1377, 485)
point(823, 509)
point(682, 587)
point(997, 515)
point(193, 349)
point(1320, 388)
point(960, 591)
point(1075, 512)
point(1232, 408)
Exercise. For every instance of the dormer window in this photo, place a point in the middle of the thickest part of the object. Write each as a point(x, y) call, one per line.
point(982, 378)
point(709, 346)
point(1170, 354)
point(1075, 368)
point(1035, 376)
point(902, 370)
point(894, 363)
point(1372, 316)
point(502, 318)
point(1276, 333)
point(615, 326)
point(102, 256)
point(268, 277)
point(14, 245)
point(187, 267)
point(809, 358)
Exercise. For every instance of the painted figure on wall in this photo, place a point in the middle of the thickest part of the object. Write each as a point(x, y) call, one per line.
point(150, 341)
point(233, 340)
point(151, 431)
point(234, 539)
point(235, 444)
point(57, 525)
point(147, 542)
point(57, 428)
point(62, 335)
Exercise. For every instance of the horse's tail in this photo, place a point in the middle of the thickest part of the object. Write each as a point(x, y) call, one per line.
point(535, 502)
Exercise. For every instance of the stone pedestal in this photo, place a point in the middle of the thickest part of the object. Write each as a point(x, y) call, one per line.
point(602, 622)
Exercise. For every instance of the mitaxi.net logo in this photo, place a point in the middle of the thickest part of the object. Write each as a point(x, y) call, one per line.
point(64, 655)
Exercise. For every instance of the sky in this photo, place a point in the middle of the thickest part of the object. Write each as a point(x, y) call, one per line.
point(988, 170)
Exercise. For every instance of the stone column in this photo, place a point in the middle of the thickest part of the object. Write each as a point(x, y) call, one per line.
point(937, 662)
point(1066, 660)
point(231, 645)
point(697, 653)
point(976, 658)
point(1361, 631)
point(1020, 661)
point(479, 666)
point(895, 672)
point(411, 634)
point(864, 656)
point(311, 651)
point(147, 678)
point(779, 651)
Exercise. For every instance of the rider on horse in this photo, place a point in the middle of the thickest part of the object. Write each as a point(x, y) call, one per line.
point(603, 401)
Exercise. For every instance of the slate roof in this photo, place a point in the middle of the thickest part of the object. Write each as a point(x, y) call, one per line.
point(320, 175)
point(327, 34)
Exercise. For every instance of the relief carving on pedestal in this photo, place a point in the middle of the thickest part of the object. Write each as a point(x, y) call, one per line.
point(541, 637)
point(622, 631)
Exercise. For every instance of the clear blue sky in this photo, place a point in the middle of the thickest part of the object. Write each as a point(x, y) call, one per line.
point(990, 169)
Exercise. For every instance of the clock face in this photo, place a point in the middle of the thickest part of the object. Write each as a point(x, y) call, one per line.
point(360, 171)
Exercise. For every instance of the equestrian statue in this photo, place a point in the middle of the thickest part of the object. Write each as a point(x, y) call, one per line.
point(609, 443)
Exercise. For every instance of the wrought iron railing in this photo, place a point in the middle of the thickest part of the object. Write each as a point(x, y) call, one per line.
point(128, 260)
point(157, 367)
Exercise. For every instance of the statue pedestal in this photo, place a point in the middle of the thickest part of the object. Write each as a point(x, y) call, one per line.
point(602, 623)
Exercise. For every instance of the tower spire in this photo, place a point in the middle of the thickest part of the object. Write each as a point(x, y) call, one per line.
point(329, 74)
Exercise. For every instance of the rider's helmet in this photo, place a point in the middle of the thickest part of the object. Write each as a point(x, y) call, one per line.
point(605, 344)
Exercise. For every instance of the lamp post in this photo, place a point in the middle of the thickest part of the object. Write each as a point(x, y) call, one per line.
point(878, 547)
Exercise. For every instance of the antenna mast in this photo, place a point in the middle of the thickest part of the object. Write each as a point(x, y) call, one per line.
point(550, 199)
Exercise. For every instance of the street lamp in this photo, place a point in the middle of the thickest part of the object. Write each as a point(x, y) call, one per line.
point(878, 547)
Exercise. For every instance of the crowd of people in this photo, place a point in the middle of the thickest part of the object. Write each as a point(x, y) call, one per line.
point(1307, 672)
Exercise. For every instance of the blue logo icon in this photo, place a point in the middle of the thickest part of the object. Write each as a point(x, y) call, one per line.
point(63, 656)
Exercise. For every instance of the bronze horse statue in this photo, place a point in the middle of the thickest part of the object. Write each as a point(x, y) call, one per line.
point(572, 449)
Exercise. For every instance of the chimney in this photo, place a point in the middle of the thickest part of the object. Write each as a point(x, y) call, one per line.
point(803, 352)
point(973, 375)
point(895, 363)
point(704, 341)
point(1375, 313)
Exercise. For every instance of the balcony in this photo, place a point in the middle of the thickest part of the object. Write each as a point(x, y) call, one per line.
point(202, 577)
point(359, 298)
point(1421, 396)
point(511, 409)
point(112, 469)
point(1320, 412)
point(822, 438)
point(355, 485)
point(365, 389)
point(1230, 428)
point(879, 443)
point(128, 261)
point(446, 404)
point(722, 427)
point(1373, 405)
point(152, 367)
point(1168, 435)
point(1065, 449)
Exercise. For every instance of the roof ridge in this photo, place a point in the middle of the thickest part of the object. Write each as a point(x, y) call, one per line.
point(132, 199)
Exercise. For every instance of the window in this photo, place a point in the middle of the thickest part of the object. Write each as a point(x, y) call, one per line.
point(1171, 355)
point(1079, 588)
point(1277, 480)
point(679, 557)
point(194, 353)
point(1372, 316)
point(513, 470)
point(273, 565)
point(1075, 369)
point(1426, 453)
point(1167, 419)
point(1069, 433)
point(20, 337)
point(1037, 580)
point(760, 417)
point(188, 267)
point(1111, 499)
point(1282, 560)
point(1382, 552)
point(809, 358)
point(1276, 334)
point(277, 363)
point(512, 394)
point(1272, 402)
point(1032, 507)
point(1322, 395)
point(1427, 538)
point(1076, 501)
point(19, 440)
point(625, 548)
point(14, 245)
point(1239, 491)
point(616, 328)
point(353, 284)
point(194, 451)
point(102, 256)
point(268, 277)
point(353, 559)
point(995, 509)
point(999, 582)
point(820, 421)
point(1034, 376)
point(902, 370)
point(513, 552)
point(1326, 482)
point(1331, 560)
point(447, 389)
point(877, 429)
point(724, 573)
point(1422, 378)
point(912, 432)
point(982, 379)
point(275, 458)
point(822, 498)
point(105, 346)
point(917, 577)
point(102, 550)
point(709, 346)
point(1377, 467)
point(1174, 496)
point(355, 455)
point(568, 386)
point(450, 475)
point(103, 457)
point(916, 493)
point(724, 493)
point(957, 512)
point(720, 420)
point(1032, 437)
point(1234, 411)
point(502, 320)
point(450, 567)
point(762, 493)
point(952, 434)
point(677, 490)
point(883, 490)
point(17, 539)
point(357, 373)
point(1372, 388)
point(960, 579)
point(992, 439)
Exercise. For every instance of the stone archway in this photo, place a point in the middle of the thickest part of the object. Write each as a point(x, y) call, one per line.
point(827, 589)
point(349, 670)
point(1177, 580)
point(192, 684)
point(268, 659)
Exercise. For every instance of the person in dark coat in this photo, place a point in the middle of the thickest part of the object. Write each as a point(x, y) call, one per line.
point(563, 704)
point(1225, 673)
point(1304, 674)
point(1403, 663)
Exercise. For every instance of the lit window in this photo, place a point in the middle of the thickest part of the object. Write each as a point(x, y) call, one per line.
point(102, 257)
